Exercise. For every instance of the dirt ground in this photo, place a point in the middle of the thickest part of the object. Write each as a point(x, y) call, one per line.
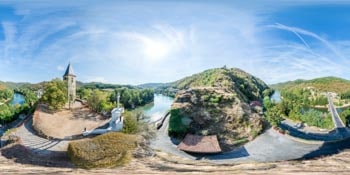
point(67, 123)
point(16, 160)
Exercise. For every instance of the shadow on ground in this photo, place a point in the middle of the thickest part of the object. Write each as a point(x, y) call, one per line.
point(329, 148)
point(21, 154)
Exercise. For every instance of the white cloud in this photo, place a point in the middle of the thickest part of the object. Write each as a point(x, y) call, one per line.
point(128, 43)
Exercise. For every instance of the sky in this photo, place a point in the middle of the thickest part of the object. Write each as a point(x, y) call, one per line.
point(135, 42)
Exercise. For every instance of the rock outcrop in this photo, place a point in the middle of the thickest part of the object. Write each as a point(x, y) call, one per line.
point(223, 102)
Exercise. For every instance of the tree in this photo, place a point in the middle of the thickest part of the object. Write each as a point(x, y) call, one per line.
point(97, 99)
point(6, 113)
point(84, 93)
point(130, 123)
point(55, 94)
point(274, 115)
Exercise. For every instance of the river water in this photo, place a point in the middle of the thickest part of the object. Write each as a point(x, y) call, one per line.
point(156, 110)
point(17, 99)
point(276, 96)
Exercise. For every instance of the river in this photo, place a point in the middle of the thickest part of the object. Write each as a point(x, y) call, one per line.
point(276, 96)
point(17, 99)
point(157, 109)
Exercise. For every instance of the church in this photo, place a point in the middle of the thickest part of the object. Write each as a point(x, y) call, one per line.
point(70, 78)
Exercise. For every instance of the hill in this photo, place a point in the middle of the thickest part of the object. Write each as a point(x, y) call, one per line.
point(325, 84)
point(234, 80)
point(217, 102)
point(153, 85)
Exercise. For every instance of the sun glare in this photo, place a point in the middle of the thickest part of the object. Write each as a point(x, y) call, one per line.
point(155, 50)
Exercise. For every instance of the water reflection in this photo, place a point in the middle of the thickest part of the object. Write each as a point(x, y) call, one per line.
point(17, 99)
point(156, 110)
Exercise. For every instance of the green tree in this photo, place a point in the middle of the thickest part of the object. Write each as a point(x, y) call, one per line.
point(97, 99)
point(274, 115)
point(130, 123)
point(55, 94)
point(6, 113)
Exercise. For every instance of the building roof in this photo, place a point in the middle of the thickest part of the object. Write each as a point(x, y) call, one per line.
point(200, 144)
point(69, 71)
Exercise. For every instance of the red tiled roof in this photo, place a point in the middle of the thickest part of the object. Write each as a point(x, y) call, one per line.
point(200, 144)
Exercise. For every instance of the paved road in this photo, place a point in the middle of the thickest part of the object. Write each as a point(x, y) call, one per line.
point(338, 123)
point(38, 144)
point(269, 146)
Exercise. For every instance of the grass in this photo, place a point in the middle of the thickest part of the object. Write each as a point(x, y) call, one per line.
point(105, 151)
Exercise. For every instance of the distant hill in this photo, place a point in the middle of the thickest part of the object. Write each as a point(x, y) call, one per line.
point(153, 85)
point(98, 85)
point(332, 84)
point(14, 85)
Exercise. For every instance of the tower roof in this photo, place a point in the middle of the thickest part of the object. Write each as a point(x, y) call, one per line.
point(69, 71)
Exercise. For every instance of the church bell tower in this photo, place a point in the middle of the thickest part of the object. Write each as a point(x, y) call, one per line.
point(69, 77)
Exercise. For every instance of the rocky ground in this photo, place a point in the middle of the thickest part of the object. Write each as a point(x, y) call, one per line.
point(218, 111)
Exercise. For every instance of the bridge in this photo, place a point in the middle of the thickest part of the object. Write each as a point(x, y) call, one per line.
point(339, 125)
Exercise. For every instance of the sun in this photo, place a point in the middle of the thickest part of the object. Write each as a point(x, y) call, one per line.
point(155, 50)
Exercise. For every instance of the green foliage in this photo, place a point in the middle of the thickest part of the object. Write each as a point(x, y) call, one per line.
point(105, 151)
point(30, 96)
point(130, 123)
point(98, 101)
point(274, 115)
point(268, 92)
point(345, 116)
point(322, 100)
point(297, 105)
point(317, 118)
point(247, 86)
point(84, 93)
point(345, 95)
point(10, 112)
point(6, 112)
point(55, 94)
point(5, 94)
point(325, 84)
point(131, 98)
point(177, 128)
point(267, 103)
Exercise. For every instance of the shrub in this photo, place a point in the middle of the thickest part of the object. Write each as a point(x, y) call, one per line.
point(104, 151)
point(130, 123)
point(176, 125)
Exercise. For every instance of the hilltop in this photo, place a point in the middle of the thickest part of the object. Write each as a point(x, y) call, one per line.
point(333, 84)
point(217, 102)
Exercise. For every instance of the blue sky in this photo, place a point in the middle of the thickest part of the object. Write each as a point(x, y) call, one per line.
point(134, 42)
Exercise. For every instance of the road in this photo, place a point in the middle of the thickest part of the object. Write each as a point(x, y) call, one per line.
point(269, 146)
point(338, 123)
point(37, 144)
